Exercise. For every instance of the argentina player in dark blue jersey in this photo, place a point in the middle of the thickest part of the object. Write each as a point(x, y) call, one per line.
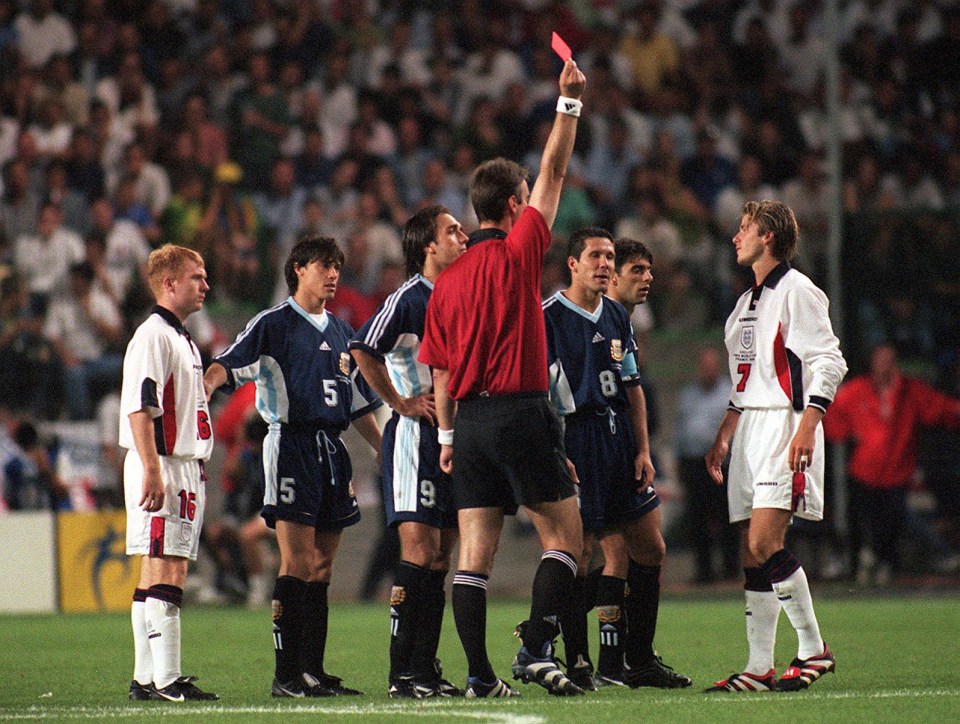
point(595, 384)
point(308, 391)
point(416, 492)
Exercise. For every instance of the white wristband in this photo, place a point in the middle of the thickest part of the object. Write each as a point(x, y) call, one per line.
point(445, 437)
point(570, 106)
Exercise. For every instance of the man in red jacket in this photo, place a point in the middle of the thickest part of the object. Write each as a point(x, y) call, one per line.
point(881, 413)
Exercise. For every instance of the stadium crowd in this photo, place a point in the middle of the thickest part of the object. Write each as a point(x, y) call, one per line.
point(230, 127)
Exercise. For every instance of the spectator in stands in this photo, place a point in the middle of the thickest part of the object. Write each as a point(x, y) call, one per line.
point(654, 57)
point(84, 172)
point(28, 480)
point(728, 209)
point(125, 252)
point(810, 196)
point(74, 206)
point(42, 32)
point(707, 172)
point(43, 258)
point(280, 207)
point(233, 230)
point(20, 204)
point(260, 120)
point(51, 130)
point(130, 98)
point(29, 364)
point(128, 206)
point(85, 328)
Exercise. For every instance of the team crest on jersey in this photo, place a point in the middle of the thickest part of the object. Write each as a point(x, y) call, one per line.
point(746, 337)
point(345, 363)
point(616, 350)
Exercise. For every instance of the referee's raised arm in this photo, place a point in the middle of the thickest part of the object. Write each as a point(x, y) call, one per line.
point(545, 195)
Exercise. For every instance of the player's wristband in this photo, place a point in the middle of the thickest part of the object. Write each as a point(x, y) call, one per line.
point(570, 106)
point(445, 437)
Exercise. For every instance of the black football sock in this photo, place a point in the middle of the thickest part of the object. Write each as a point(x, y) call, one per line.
point(316, 613)
point(469, 598)
point(641, 605)
point(406, 614)
point(429, 626)
point(590, 588)
point(613, 625)
point(551, 597)
point(574, 627)
point(287, 604)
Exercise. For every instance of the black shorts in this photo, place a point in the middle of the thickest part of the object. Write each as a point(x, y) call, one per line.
point(603, 449)
point(508, 451)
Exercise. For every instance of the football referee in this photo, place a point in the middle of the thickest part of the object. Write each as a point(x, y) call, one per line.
point(486, 342)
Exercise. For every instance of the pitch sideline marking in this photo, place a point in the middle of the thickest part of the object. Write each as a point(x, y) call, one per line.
point(128, 712)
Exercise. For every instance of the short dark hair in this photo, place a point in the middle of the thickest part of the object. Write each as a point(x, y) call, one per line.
point(578, 239)
point(626, 249)
point(418, 233)
point(309, 248)
point(493, 183)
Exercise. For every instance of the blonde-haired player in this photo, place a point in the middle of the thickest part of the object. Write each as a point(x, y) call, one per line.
point(165, 426)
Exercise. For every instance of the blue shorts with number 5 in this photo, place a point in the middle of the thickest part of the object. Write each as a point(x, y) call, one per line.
point(308, 479)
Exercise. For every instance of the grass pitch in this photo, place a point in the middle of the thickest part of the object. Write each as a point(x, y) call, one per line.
point(897, 660)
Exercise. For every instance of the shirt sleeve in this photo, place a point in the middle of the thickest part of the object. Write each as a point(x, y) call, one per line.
point(378, 335)
point(146, 369)
point(810, 336)
point(242, 358)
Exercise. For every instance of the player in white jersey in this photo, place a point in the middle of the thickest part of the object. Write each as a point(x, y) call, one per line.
point(165, 426)
point(786, 365)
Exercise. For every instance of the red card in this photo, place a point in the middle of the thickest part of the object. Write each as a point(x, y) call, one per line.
point(561, 48)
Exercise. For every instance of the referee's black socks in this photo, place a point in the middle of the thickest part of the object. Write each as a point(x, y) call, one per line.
point(550, 600)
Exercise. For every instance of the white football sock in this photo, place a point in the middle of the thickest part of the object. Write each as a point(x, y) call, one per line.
point(142, 660)
point(163, 626)
point(794, 594)
point(762, 612)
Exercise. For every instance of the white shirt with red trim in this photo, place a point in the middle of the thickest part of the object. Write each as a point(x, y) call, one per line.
point(163, 375)
point(781, 346)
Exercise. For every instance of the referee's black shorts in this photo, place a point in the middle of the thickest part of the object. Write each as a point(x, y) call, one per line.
point(508, 450)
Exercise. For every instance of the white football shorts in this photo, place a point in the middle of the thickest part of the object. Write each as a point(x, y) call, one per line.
point(760, 474)
point(173, 530)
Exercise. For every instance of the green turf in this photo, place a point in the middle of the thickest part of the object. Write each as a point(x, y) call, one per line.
point(897, 661)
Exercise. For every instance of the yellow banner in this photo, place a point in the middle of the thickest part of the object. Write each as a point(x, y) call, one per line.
point(95, 572)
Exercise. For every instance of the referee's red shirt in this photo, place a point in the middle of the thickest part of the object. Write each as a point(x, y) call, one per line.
point(484, 321)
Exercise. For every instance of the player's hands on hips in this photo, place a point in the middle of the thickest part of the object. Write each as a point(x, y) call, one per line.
point(153, 492)
point(714, 460)
point(419, 406)
point(572, 80)
point(446, 459)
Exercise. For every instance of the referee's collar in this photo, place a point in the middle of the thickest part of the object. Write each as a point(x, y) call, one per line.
point(483, 234)
point(171, 319)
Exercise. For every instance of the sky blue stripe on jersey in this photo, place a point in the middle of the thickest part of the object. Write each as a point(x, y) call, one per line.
point(272, 392)
point(383, 317)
